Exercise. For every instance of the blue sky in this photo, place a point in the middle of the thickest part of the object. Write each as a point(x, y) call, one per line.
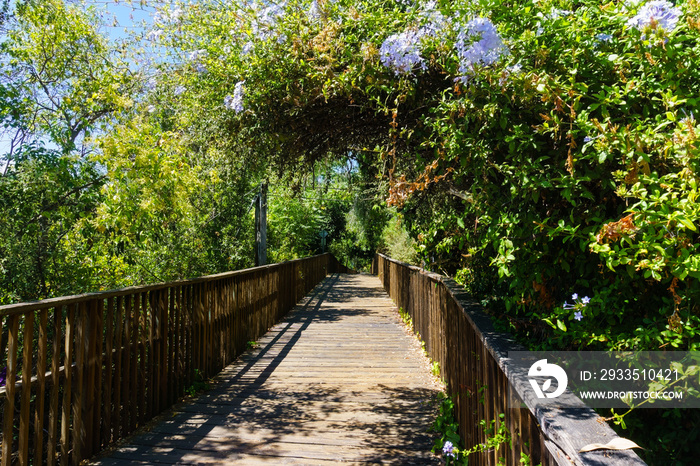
point(129, 18)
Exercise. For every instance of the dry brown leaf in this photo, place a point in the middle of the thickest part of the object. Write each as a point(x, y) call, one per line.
point(618, 443)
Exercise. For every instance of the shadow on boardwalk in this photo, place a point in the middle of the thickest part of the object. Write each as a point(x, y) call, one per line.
point(338, 381)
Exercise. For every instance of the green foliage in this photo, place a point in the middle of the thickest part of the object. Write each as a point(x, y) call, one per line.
point(397, 243)
point(496, 432)
point(199, 384)
point(42, 198)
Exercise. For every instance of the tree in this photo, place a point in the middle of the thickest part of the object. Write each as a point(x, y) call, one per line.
point(61, 82)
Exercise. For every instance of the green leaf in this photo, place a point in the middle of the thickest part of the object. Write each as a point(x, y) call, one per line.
point(561, 325)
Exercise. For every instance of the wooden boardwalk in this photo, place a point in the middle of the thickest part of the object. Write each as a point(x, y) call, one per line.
point(338, 381)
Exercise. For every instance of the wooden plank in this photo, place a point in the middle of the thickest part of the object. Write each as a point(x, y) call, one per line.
point(126, 395)
point(170, 326)
point(10, 377)
point(118, 360)
point(80, 430)
point(96, 362)
point(144, 414)
point(150, 368)
point(25, 397)
point(53, 432)
point(107, 406)
point(134, 363)
point(357, 402)
point(177, 345)
point(39, 412)
point(163, 356)
point(67, 387)
point(21, 308)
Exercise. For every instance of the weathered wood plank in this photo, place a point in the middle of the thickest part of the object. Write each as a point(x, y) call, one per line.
point(53, 437)
point(41, 388)
point(307, 394)
point(10, 376)
point(25, 397)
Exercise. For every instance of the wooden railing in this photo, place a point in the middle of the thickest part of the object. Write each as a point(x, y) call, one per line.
point(474, 362)
point(83, 371)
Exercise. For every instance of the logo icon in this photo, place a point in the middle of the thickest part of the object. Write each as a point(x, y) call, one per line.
point(542, 369)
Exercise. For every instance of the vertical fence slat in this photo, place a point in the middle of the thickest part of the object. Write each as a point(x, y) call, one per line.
point(133, 364)
point(41, 386)
point(126, 368)
point(109, 371)
point(53, 437)
point(25, 397)
point(96, 368)
point(118, 360)
point(67, 387)
point(143, 340)
point(10, 376)
point(150, 369)
point(79, 406)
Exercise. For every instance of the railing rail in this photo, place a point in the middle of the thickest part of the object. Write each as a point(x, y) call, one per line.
point(132, 353)
point(473, 361)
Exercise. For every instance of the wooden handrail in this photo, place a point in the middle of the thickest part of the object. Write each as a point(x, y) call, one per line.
point(133, 352)
point(20, 308)
point(473, 359)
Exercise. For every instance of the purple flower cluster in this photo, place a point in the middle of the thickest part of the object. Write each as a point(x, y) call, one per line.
point(266, 19)
point(578, 305)
point(557, 13)
point(448, 449)
point(658, 13)
point(314, 11)
point(478, 43)
point(235, 102)
point(166, 17)
point(433, 21)
point(401, 52)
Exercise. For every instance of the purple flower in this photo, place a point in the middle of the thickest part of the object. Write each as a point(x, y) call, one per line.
point(179, 90)
point(603, 37)
point(154, 34)
point(448, 449)
point(654, 14)
point(556, 13)
point(574, 296)
point(585, 300)
point(401, 53)
point(478, 43)
point(235, 102)
point(3, 376)
point(433, 20)
point(266, 19)
point(314, 11)
point(587, 139)
point(578, 315)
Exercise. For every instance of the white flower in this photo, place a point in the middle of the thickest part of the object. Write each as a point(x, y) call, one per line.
point(179, 90)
